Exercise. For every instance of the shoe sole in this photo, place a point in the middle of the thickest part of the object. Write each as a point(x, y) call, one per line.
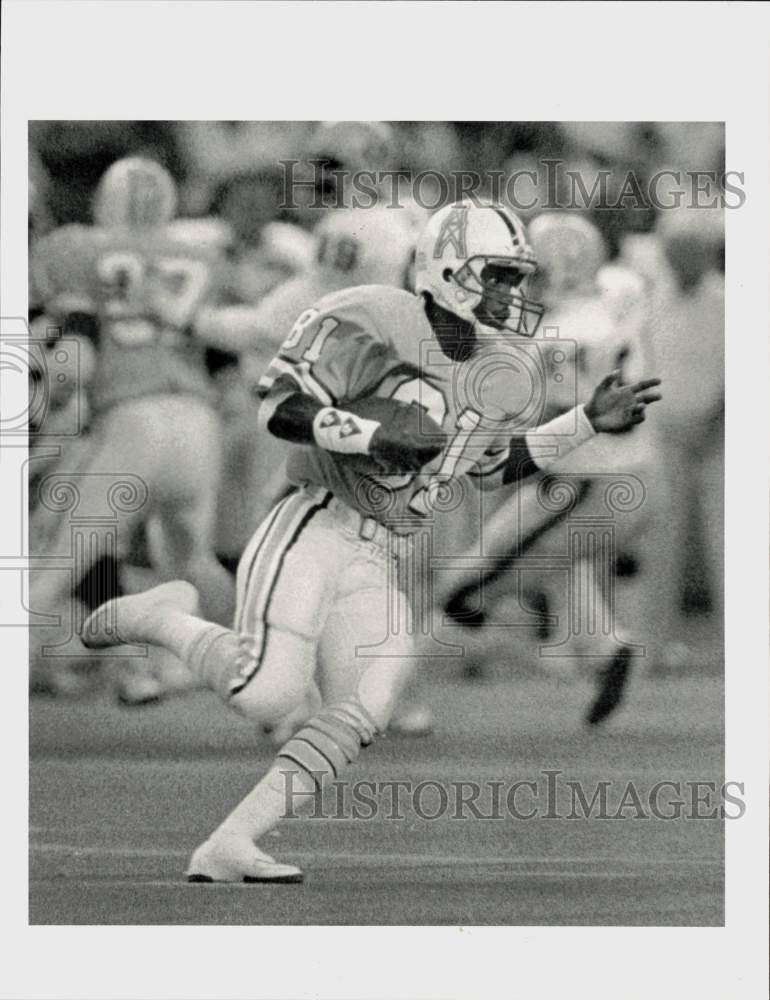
point(251, 879)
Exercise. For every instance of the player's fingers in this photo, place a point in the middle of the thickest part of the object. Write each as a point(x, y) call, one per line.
point(610, 379)
point(638, 418)
point(648, 397)
point(645, 383)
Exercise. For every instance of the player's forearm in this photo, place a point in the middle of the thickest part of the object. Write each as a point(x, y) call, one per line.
point(301, 419)
point(289, 415)
point(398, 436)
point(539, 448)
point(535, 450)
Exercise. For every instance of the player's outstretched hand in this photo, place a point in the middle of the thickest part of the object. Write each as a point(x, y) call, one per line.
point(615, 407)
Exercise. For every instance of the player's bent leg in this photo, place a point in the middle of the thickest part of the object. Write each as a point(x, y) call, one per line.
point(263, 670)
point(367, 649)
point(286, 583)
point(141, 618)
point(353, 627)
point(166, 616)
point(263, 687)
point(274, 676)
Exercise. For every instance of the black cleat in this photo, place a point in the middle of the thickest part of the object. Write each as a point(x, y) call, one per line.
point(296, 879)
point(612, 681)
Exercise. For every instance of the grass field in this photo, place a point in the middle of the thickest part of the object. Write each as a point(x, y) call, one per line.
point(118, 798)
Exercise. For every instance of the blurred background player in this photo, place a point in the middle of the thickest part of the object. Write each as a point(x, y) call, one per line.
point(591, 325)
point(132, 290)
point(687, 331)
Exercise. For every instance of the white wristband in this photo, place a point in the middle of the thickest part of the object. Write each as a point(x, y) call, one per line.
point(559, 436)
point(343, 432)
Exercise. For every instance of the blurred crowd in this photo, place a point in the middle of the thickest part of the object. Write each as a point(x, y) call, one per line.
point(657, 272)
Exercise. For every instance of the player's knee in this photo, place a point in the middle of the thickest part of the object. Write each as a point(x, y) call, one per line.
point(266, 707)
point(272, 677)
point(229, 664)
point(327, 743)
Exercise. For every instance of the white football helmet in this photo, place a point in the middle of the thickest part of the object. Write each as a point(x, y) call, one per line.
point(570, 250)
point(353, 145)
point(474, 261)
point(136, 192)
point(358, 246)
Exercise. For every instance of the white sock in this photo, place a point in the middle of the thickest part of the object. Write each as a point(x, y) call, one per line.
point(210, 652)
point(268, 802)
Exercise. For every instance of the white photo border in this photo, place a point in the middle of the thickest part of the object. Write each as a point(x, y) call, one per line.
point(413, 61)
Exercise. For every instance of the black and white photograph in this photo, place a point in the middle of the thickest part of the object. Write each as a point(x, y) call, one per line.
point(386, 535)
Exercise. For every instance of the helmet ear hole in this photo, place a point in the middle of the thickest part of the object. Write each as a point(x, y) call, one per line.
point(446, 274)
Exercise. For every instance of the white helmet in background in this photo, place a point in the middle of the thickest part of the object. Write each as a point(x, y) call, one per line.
point(136, 192)
point(364, 246)
point(340, 151)
point(354, 145)
point(693, 241)
point(570, 251)
point(288, 246)
point(468, 253)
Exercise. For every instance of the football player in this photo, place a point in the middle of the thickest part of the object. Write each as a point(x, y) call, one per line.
point(689, 312)
point(596, 309)
point(390, 398)
point(132, 289)
point(353, 247)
